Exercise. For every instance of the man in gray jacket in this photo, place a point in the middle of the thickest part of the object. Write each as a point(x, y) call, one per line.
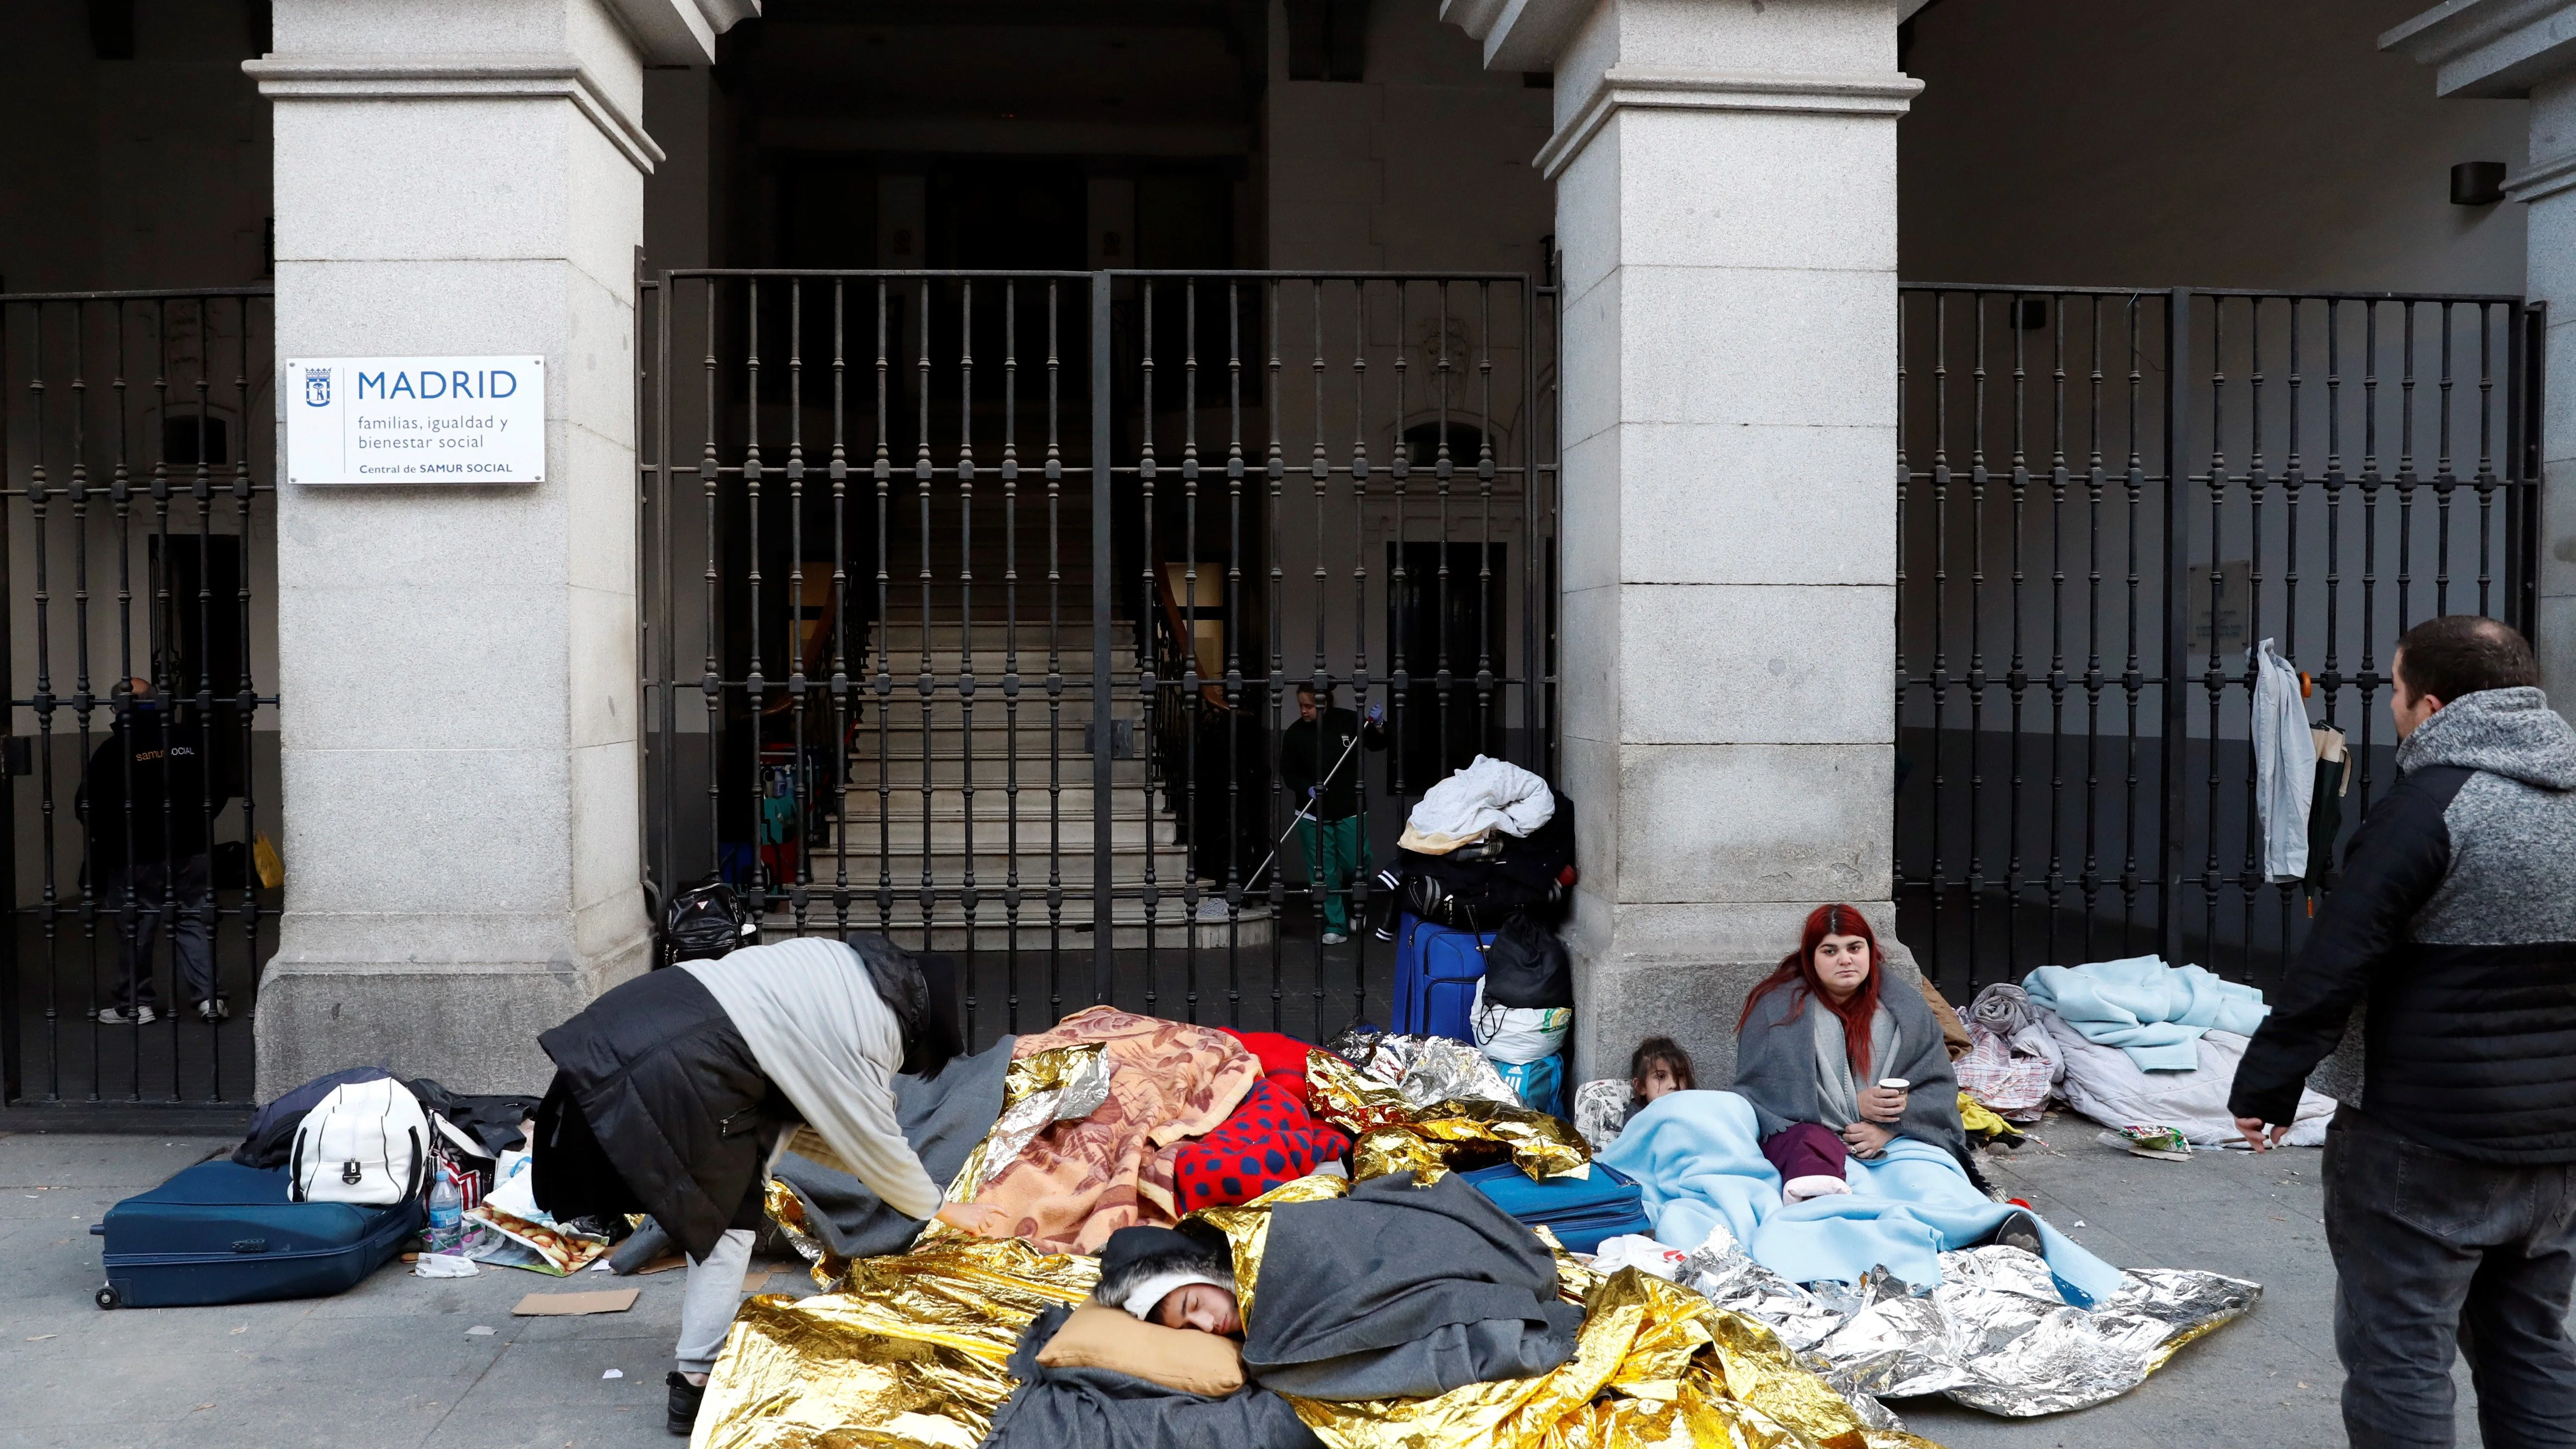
point(2441, 977)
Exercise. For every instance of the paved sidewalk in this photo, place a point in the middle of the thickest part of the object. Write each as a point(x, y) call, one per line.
point(391, 1363)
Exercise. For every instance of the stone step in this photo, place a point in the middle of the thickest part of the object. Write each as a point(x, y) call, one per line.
point(991, 801)
point(947, 766)
point(993, 862)
point(990, 633)
point(900, 833)
point(1171, 930)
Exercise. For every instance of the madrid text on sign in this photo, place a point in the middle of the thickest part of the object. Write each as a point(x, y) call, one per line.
point(416, 420)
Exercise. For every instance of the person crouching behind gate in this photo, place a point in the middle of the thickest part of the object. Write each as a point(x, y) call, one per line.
point(1837, 1068)
point(673, 1094)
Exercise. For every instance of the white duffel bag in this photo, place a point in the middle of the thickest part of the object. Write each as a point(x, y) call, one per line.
point(1518, 1034)
point(367, 1142)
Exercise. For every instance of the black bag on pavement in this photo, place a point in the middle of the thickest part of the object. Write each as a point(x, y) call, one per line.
point(1527, 966)
point(705, 922)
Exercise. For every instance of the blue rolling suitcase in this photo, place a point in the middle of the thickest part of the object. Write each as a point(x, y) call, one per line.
point(224, 1233)
point(1436, 971)
point(1583, 1212)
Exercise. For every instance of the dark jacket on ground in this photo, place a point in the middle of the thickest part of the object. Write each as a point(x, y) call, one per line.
point(1307, 750)
point(1399, 1291)
point(668, 1087)
point(2456, 928)
point(161, 768)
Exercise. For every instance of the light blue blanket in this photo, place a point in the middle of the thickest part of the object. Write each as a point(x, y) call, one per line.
point(2151, 1011)
point(1696, 1158)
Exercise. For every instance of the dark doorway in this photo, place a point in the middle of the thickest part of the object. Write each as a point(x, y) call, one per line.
point(1445, 623)
point(200, 622)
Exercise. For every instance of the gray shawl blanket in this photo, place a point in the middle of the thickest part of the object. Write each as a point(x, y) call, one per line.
point(1776, 1064)
point(942, 1118)
point(1399, 1291)
point(1103, 1409)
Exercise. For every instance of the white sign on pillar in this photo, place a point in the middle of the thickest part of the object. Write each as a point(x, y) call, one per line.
point(416, 420)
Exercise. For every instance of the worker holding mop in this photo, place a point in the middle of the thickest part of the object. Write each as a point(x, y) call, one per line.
point(1316, 766)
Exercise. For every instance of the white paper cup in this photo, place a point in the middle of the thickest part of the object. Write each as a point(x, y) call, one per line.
point(1895, 1084)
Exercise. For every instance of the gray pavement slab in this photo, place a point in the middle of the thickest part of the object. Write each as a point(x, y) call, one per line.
point(390, 1363)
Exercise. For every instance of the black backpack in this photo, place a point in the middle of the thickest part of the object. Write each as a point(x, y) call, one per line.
point(705, 922)
point(1528, 967)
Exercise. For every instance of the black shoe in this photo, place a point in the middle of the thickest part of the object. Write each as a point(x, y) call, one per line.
point(685, 1398)
point(2019, 1230)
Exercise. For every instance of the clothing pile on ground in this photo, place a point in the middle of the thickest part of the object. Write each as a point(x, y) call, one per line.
point(2129, 1043)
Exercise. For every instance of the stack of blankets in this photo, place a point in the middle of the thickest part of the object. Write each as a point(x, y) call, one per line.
point(2127, 1043)
point(1196, 1117)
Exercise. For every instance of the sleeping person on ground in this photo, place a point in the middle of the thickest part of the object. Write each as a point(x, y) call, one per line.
point(1835, 1068)
point(1394, 1291)
point(674, 1094)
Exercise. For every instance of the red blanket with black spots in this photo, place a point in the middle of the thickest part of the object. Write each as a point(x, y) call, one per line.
point(1269, 1140)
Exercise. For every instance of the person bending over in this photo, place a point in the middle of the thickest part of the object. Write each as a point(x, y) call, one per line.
point(674, 1092)
point(1834, 1067)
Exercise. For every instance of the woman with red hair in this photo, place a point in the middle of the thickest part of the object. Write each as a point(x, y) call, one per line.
point(1834, 1066)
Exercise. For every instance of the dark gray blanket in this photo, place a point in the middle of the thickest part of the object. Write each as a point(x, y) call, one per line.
point(1101, 1409)
point(1775, 1065)
point(1400, 1291)
point(942, 1118)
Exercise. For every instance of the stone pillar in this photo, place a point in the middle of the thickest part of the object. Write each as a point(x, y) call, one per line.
point(1726, 205)
point(456, 665)
point(2490, 49)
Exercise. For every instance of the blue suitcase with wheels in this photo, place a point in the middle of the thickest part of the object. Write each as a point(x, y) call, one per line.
point(1436, 971)
point(220, 1232)
point(1583, 1212)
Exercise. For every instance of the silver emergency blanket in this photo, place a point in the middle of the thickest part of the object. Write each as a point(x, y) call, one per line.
point(1085, 1087)
point(1425, 1069)
point(1995, 1334)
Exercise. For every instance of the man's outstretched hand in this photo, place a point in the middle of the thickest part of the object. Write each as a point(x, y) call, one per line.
point(2254, 1130)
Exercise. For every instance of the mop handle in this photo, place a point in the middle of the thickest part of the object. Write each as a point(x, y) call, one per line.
point(1311, 798)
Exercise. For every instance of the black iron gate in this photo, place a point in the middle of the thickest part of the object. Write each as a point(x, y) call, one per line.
point(977, 604)
point(2105, 499)
point(136, 430)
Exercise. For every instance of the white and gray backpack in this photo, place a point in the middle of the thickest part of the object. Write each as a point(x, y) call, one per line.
point(367, 1142)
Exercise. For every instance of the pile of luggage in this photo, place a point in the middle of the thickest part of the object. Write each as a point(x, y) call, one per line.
point(334, 1179)
point(1481, 878)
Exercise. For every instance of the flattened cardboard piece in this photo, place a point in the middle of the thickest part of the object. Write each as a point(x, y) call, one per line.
point(564, 1305)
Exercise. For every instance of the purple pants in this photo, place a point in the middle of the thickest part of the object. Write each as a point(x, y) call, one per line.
point(1808, 1149)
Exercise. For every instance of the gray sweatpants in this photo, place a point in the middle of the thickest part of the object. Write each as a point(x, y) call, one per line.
point(714, 1294)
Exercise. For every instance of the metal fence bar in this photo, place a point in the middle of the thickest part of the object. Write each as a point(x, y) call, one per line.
point(1389, 389)
point(128, 436)
point(2238, 533)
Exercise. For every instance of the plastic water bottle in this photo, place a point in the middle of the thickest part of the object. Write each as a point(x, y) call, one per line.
point(446, 1215)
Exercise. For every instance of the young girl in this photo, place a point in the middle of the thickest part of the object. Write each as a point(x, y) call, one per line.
point(1816, 1041)
point(1657, 1066)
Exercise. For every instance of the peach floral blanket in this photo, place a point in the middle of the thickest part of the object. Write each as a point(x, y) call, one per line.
point(1078, 1182)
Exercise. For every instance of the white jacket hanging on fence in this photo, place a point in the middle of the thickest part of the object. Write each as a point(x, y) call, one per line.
point(2285, 765)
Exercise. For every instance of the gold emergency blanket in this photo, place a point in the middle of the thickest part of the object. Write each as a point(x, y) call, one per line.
point(909, 1357)
point(1654, 1367)
point(1038, 1090)
point(1393, 1134)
